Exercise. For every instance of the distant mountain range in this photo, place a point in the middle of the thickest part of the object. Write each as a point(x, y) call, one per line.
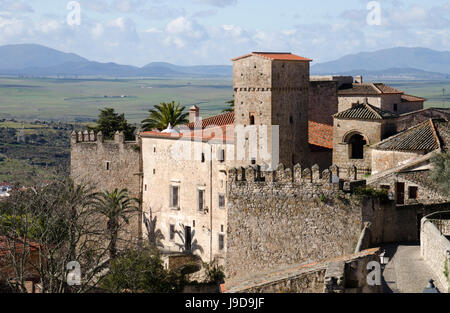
point(394, 62)
point(30, 60)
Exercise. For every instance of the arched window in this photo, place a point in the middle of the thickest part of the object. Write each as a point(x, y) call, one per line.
point(356, 146)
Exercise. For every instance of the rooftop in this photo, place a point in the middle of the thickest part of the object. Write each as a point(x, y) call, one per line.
point(364, 89)
point(365, 111)
point(275, 56)
point(427, 136)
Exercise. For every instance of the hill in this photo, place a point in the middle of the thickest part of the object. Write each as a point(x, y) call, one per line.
point(404, 58)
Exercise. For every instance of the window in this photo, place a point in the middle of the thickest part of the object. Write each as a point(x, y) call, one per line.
point(108, 165)
point(145, 187)
point(172, 232)
point(154, 172)
point(201, 200)
point(193, 224)
point(174, 196)
point(221, 201)
point(221, 228)
point(221, 242)
point(413, 192)
point(203, 158)
point(221, 155)
point(395, 107)
point(252, 120)
point(154, 149)
point(253, 161)
point(357, 144)
point(188, 238)
point(291, 120)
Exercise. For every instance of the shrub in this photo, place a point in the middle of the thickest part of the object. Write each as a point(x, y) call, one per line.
point(369, 192)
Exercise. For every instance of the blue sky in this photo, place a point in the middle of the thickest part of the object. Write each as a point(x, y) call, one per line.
point(189, 32)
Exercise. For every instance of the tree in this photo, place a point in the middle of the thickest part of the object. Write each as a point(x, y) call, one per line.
point(230, 106)
point(109, 122)
point(164, 114)
point(142, 271)
point(441, 172)
point(116, 207)
point(49, 226)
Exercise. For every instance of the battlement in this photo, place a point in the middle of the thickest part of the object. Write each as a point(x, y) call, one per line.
point(329, 178)
point(92, 137)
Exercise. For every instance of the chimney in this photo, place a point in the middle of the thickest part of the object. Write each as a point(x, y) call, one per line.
point(194, 113)
point(359, 79)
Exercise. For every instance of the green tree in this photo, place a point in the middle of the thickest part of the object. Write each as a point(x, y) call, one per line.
point(441, 172)
point(141, 272)
point(116, 207)
point(109, 122)
point(164, 114)
point(230, 106)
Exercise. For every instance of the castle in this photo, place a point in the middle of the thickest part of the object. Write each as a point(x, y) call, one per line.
point(332, 133)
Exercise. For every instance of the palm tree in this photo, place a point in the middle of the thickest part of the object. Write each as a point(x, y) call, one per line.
point(230, 106)
point(164, 114)
point(115, 206)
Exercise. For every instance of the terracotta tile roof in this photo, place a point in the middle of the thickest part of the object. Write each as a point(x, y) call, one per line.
point(218, 120)
point(320, 135)
point(409, 98)
point(222, 133)
point(367, 89)
point(443, 132)
point(422, 137)
point(365, 111)
point(5, 250)
point(275, 56)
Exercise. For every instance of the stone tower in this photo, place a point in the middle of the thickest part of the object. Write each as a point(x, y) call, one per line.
point(272, 89)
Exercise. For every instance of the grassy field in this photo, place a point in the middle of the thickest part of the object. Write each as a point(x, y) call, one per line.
point(80, 100)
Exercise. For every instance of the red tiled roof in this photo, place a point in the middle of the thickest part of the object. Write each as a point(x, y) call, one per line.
point(367, 89)
point(320, 135)
point(218, 120)
point(409, 98)
point(222, 133)
point(5, 249)
point(275, 56)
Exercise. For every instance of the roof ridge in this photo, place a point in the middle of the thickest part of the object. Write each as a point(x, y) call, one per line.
point(436, 137)
point(376, 88)
point(372, 108)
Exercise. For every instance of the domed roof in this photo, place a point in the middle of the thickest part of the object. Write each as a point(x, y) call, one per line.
point(169, 130)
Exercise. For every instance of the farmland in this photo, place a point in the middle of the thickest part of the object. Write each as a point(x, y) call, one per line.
point(30, 147)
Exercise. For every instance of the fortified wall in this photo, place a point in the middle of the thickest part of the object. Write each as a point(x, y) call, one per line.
point(435, 246)
point(288, 217)
point(108, 165)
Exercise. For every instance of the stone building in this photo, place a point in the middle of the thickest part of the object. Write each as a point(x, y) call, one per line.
point(273, 89)
point(355, 129)
point(107, 165)
point(185, 188)
point(182, 176)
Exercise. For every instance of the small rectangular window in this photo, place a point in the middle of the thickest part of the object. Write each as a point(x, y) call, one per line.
point(201, 199)
point(203, 158)
point(193, 224)
point(221, 155)
point(172, 232)
point(221, 242)
point(221, 201)
point(395, 107)
point(221, 228)
point(413, 192)
point(174, 197)
point(145, 187)
point(108, 165)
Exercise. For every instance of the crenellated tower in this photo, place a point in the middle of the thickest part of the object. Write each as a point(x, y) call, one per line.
point(272, 89)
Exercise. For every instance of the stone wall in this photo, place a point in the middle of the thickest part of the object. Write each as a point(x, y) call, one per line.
point(108, 165)
point(274, 92)
point(323, 101)
point(435, 249)
point(406, 121)
point(290, 217)
point(384, 160)
point(344, 274)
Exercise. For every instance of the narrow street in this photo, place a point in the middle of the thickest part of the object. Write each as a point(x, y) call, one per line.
point(406, 272)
